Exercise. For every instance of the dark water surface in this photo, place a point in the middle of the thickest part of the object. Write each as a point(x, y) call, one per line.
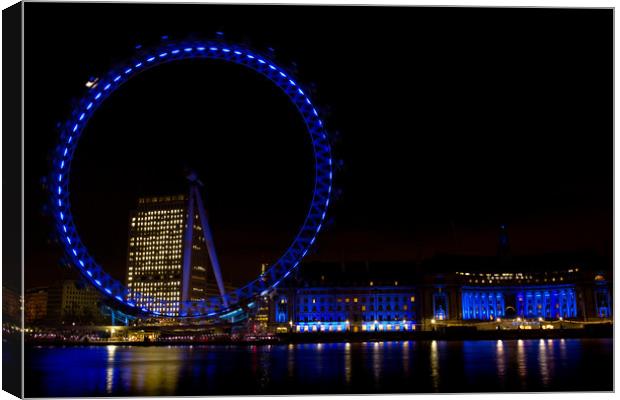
point(388, 367)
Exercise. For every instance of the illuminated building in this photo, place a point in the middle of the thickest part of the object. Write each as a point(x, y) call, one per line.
point(35, 309)
point(444, 290)
point(355, 297)
point(261, 317)
point(155, 263)
point(11, 305)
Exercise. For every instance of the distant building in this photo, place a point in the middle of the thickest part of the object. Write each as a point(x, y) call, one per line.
point(35, 310)
point(443, 289)
point(11, 305)
point(554, 286)
point(155, 255)
point(71, 301)
point(336, 297)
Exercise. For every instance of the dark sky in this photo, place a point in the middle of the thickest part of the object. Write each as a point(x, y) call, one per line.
point(450, 121)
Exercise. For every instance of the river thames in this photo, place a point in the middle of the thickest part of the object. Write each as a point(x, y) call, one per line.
point(368, 367)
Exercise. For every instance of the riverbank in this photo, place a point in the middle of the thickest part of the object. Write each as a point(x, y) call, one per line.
point(591, 331)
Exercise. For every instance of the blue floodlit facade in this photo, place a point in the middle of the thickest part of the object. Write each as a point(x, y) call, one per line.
point(356, 309)
point(358, 297)
point(549, 302)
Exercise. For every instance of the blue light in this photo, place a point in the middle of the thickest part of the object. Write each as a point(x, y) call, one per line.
point(97, 282)
point(118, 298)
point(131, 304)
point(108, 291)
point(300, 247)
point(68, 240)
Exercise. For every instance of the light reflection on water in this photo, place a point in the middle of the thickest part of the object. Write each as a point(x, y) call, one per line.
point(409, 366)
point(347, 362)
point(501, 362)
point(435, 365)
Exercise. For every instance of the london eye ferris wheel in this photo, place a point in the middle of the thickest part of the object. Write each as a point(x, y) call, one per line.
point(226, 305)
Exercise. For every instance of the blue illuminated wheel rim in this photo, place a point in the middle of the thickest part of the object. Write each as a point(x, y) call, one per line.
point(174, 51)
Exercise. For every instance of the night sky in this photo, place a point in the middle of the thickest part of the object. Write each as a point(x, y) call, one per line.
point(448, 123)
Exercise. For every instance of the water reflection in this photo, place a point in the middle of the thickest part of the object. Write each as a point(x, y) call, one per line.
point(476, 366)
point(347, 363)
point(109, 376)
point(522, 362)
point(563, 348)
point(405, 351)
point(501, 361)
point(290, 360)
point(377, 361)
point(542, 361)
point(435, 365)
